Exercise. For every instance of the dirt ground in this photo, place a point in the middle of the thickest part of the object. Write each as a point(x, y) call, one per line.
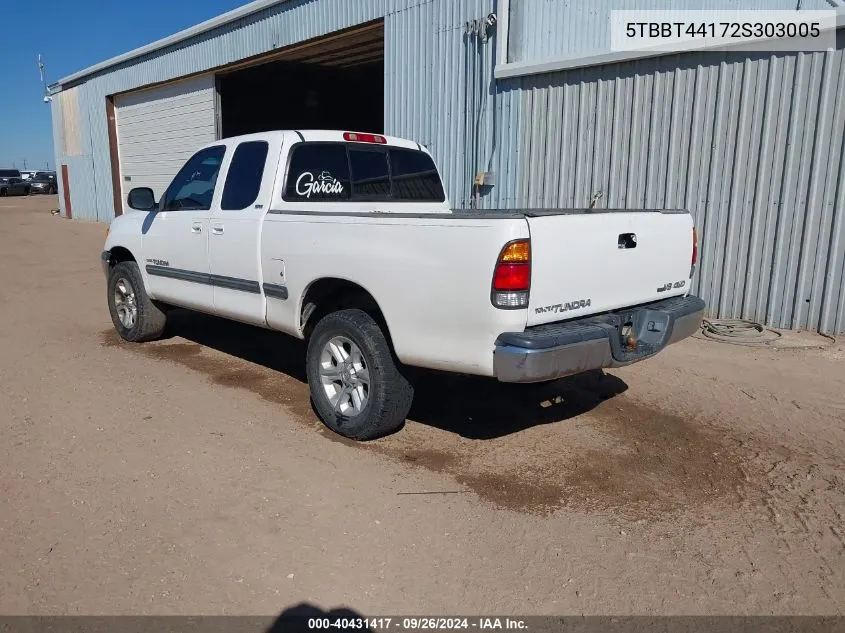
point(190, 476)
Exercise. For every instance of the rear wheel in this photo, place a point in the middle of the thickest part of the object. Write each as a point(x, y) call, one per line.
point(26, 191)
point(356, 386)
point(136, 318)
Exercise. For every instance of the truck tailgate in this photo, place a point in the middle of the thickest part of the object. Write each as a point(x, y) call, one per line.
point(589, 262)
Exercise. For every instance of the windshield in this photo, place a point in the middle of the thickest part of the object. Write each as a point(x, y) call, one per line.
point(9, 173)
point(43, 178)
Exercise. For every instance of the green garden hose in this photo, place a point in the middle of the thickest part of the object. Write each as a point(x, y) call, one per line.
point(738, 332)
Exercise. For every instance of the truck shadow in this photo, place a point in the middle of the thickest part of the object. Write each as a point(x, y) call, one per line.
point(263, 347)
point(469, 406)
point(481, 408)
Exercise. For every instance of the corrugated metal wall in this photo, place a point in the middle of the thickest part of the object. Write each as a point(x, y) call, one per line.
point(751, 144)
point(72, 142)
point(540, 29)
point(424, 95)
point(58, 145)
point(440, 91)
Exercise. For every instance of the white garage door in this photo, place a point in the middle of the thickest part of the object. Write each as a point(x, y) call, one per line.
point(160, 128)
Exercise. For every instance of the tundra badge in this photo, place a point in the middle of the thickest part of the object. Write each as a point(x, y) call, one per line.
point(564, 307)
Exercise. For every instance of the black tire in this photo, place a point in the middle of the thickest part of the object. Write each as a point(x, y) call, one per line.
point(2, 192)
point(389, 394)
point(149, 320)
point(52, 191)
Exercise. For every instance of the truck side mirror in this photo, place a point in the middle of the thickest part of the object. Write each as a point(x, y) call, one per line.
point(141, 199)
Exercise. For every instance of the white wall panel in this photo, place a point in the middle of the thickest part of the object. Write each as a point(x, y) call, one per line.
point(160, 128)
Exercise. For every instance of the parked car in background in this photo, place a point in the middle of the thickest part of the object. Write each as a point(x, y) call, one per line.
point(28, 174)
point(43, 182)
point(11, 183)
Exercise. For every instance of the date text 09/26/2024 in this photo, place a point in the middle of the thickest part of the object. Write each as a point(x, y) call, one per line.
point(415, 624)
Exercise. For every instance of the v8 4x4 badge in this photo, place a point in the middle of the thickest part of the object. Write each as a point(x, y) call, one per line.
point(670, 285)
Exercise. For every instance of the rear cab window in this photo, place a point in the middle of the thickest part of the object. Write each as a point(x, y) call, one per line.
point(318, 172)
point(415, 177)
point(341, 172)
point(370, 173)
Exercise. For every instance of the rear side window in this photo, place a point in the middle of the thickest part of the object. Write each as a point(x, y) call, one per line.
point(318, 172)
point(370, 173)
point(415, 177)
point(246, 171)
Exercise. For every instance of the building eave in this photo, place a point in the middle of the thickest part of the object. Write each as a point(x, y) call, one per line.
point(170, 40)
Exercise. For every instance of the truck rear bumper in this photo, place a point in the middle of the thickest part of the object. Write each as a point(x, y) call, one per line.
point(614, 339)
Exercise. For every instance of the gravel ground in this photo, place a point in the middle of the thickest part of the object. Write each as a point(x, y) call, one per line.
point(190, 476)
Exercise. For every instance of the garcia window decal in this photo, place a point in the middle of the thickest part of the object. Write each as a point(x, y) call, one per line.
point(322, 171)
point(318, 172)
point(323, 184)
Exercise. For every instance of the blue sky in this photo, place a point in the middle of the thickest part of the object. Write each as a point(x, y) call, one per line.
point(72, 35)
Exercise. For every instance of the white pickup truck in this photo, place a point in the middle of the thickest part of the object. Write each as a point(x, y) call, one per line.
point(347, 240)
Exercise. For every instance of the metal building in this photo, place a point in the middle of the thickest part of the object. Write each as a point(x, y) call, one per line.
point(523, 92)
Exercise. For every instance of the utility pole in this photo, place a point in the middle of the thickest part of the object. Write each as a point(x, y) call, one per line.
point(24, 164)
point(47, 97)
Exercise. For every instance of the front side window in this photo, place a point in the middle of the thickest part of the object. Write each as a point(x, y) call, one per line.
point(246, 172)
point(318, 172)
point(193, 187)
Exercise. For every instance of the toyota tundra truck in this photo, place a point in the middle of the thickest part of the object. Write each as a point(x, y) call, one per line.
point(347, 240)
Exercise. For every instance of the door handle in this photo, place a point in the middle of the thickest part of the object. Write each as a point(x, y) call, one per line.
point(196, 227)
point(217, 229)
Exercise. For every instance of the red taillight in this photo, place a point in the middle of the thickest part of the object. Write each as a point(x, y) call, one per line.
point(694, 247)
point(512, 275)
point(358, 137)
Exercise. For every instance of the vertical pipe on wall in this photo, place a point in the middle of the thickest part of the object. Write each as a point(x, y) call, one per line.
point(494, 93)
point(480, 39)
point(465, 175)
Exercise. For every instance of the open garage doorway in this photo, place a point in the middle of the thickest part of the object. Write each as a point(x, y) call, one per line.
point(333, 82)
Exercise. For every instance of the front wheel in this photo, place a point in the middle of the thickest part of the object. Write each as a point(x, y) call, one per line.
point(136, 318)
point(26, 191)
point(356, 385)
